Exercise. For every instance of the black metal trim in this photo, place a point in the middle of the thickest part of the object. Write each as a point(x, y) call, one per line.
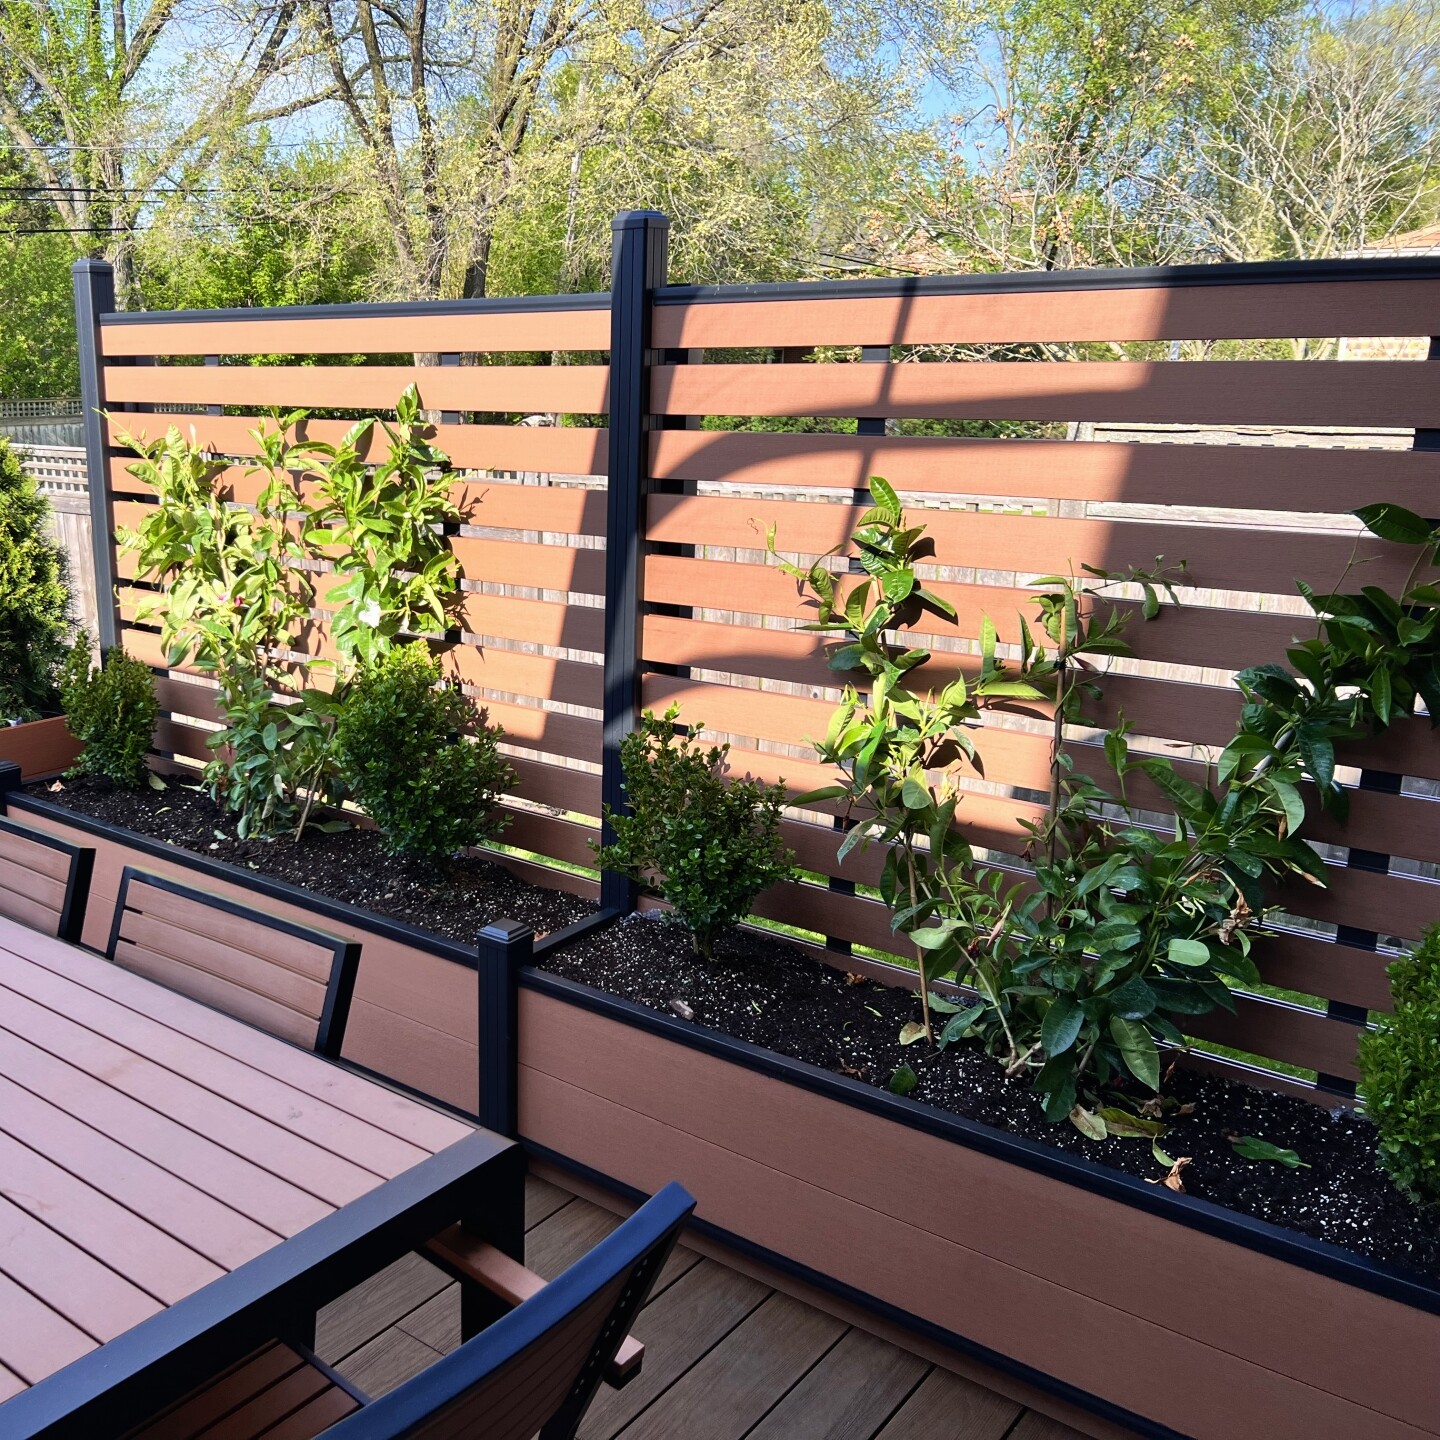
point(382, 310)
point(71, 919)
point(1265, 272)
point(321, 905)
point(1247, 1231)
point(93, 282)
point(862, 1300)
point(344, 954)
point(119, 1384)
point(501, 948)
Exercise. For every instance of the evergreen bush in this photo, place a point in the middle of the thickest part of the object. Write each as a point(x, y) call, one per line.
point(111, 709)
point(34, 597)
point(1400, 1065)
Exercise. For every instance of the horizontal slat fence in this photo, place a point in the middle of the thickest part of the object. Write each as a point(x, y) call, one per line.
point(531, 496)
point(713, 466)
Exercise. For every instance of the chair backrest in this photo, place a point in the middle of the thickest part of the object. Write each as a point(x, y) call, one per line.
point(44, 881)
point(536, 1369)
point(282, 977)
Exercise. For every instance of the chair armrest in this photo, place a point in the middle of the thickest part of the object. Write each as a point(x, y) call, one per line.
point(511, 1282)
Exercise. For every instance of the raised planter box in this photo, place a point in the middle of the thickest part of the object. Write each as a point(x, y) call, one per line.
point(1155, 1310)
point(414, 1016)
point(41, 748)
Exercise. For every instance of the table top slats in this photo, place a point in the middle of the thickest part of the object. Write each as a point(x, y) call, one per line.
point(364, 1099)
point(35, 1341)
point(196, 1220)
point(376, 1150)
point(152, 1149)
point(342, 1135)
point(269, 1200)
point(307, 1166)
point(128, 1244)
point(68, 1279)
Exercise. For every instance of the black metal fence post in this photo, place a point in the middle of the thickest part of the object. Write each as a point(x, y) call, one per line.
point(641, 251)
point(503, 947)
point(94, 282)
point(10, 779)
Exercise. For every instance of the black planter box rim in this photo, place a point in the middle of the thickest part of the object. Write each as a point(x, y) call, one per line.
point(1247, 1231)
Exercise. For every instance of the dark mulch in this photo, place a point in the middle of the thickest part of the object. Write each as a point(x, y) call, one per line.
point(349, 866)
point(770, 993)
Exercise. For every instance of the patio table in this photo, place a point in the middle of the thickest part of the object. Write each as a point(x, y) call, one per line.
point(178, 1188)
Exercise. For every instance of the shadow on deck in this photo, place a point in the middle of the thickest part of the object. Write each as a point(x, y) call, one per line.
point(727, 1357)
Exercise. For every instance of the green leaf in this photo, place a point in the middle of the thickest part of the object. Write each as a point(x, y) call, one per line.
point(903, 1081)
point(884, 493)
point(911, 1031)
point(915, 793)
point(1188, 952)
point(1137, 1050)
point(1089, 1125)
point(1161, 1158)
point(1393, 522)
point(1061, 1025)
point(1291, 802)
point(932, 937)
point(1133, 1000)
point(1251, 1147)
point(1131, 1127)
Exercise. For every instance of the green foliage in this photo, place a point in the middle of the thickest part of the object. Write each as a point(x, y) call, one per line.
point(240, 583)
point(1123, 933)
point(402, 746)
point(1400, 1069)
point(111, 710)
point(707, 843)
point(34, 597)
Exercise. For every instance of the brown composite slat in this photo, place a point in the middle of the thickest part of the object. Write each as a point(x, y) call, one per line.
point(315, 1416)
point(329, 1177)
point(208, 1166)
point(222, 1235)
point(266, 334)
point(35, 1341)
point(1187, 634)
point(1217, 557)
point(1276, 310)
point(42, 863)
point(27, 909)
point(1229, 392)
point(561, 450)
point(545, 622)
point(547, 835)
point(547, 567)
point(1242, 477)
point(575, 737)
point(269, 1406)
point(154, 1261)
point(579, 389)
point(226, 1392)
point(771, 1181)
point(68, 1279)
point(352, 1099)
point(577, 790)
point(564, 682)
point(10, 1383)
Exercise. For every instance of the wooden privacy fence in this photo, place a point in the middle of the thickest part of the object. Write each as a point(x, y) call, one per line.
point(586, 600)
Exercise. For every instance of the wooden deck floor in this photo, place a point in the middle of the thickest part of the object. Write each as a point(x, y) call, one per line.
point(727, 1358)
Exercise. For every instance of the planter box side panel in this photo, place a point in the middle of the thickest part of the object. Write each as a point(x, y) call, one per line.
point(414, 1016)
point(41, 748)
point(1219, 1340)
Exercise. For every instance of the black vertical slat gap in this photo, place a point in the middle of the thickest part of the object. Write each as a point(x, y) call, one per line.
point(449, 360)
point(1384, 782)
point(213, 409)
point(94, 285)
point(638, 267)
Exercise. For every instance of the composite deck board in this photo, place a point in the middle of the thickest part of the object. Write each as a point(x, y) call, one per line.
point(144, 1158)
point(722, 1361)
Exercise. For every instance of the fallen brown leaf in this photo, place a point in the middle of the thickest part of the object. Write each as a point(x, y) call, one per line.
point(854, 977)
point(1173, 1181)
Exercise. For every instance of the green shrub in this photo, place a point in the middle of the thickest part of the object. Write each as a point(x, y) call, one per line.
point(111, 710)
point(709, 845)
point(34, 597)
point(1400, 1063)
point(402, 747)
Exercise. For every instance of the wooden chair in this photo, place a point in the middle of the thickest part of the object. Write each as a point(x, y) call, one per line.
point(534, 1371)
point(282, 977)
point(44, 881)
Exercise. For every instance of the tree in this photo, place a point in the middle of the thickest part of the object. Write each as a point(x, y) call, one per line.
point(34, 598)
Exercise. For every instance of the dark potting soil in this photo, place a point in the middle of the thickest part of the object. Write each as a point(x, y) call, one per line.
point(349, 865)
point(771, 993)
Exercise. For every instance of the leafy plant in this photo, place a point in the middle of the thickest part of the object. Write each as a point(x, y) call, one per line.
point(111, 710)
point(34, 597)
point(1251, 1147)
point(1400, 1069)
point(402, 744)
point(709, 844)
point(1091, 962)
